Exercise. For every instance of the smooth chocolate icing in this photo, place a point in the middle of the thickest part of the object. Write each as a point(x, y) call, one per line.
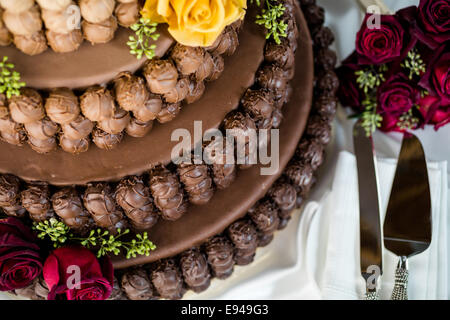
point(134, 156)
point(205, 221)
point(87, 66)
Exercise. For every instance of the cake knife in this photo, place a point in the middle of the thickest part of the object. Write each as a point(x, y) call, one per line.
point(369, 212)
point(407, 225)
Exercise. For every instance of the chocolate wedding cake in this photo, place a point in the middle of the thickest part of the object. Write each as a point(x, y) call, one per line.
point(88, 141)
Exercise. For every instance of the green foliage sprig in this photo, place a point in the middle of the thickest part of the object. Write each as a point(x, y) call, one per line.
point(10, 83)
point(370, 119)
point(408, 121)
point(368, 81)
point(371, 78)
point(140, 45)
point(100, 240)
point(271, 19)
point(414, 64)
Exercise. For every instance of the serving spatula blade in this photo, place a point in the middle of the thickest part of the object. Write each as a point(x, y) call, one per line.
point(407, 225)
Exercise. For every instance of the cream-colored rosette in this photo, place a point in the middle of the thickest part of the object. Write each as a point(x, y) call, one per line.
point(127, 12)
point(5, 35)
point(99, 23)
point(62, 20)
point(23, 20)
point(195, 22)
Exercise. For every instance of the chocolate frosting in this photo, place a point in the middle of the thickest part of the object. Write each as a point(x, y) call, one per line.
point(258, 103)
point(64, 42)
point(138, 129)
point(117, 123)
point(161, 75)
point(134, 198)
point(323, 37)
point(102, 32)
point(130, 91)
point(220, 254)
point(97, 104)
point(328, 83)
point(197, 182)
point(245, 239)
point(187, 59)
point(117, 292)
point(62, 106)
point(272, 78)
point(67, 205)
point(9, 190)
point(169, 112)
point(195, 270)
point(42, 129)
point(265, 217)
point(300, 173)
point(31, 45)
point(326, 106)
point(137, 285)
point(319, 129)
point(196, 90)
point(311, 152)
point(179, 92)
point(284, 195)
point(77, 129)
point(98, 199)
point(150, 109)
point(127, 13)
point(27, 107)
point(167, 279)
point(105, 140)
point(42, 146)
point(167, 193)
point(35, 199)
point(206, 68)
point(280, 54)
point(218, 67)
point(74, 146)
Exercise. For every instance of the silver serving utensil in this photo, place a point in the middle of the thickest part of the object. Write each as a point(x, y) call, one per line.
point(407, 225)
point(369, 212)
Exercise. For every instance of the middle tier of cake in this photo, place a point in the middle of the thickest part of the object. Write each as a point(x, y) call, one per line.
point(136, 155)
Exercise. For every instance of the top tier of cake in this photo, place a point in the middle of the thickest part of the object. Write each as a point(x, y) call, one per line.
point(63, 24)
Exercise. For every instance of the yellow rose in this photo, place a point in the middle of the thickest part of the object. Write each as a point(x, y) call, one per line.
point(195, 22)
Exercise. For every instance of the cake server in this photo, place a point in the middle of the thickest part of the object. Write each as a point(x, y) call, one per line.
point(369, 212)
point(407, 225)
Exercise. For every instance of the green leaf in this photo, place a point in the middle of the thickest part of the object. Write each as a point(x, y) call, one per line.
point(145, 30)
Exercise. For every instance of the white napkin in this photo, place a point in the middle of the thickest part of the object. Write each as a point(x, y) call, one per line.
point(341, 277)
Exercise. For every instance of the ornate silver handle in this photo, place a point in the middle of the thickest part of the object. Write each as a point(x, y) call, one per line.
point(400, 291)
point(372, 295)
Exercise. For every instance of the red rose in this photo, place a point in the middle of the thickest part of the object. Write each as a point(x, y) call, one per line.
point(434, 112)
point(349, 93)
point(437, 77)
point(20, 260)
point(397, 95)
point(75, 273)
point(382, 44)
point(389, 123)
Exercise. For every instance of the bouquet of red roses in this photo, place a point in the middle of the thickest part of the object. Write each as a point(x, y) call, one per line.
point(398, 77)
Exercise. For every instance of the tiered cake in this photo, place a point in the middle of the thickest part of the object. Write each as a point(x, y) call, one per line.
point(88, 141)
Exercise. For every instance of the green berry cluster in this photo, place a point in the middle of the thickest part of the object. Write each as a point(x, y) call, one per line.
point(99, 240)
point(10, 83)
point(141, 44)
